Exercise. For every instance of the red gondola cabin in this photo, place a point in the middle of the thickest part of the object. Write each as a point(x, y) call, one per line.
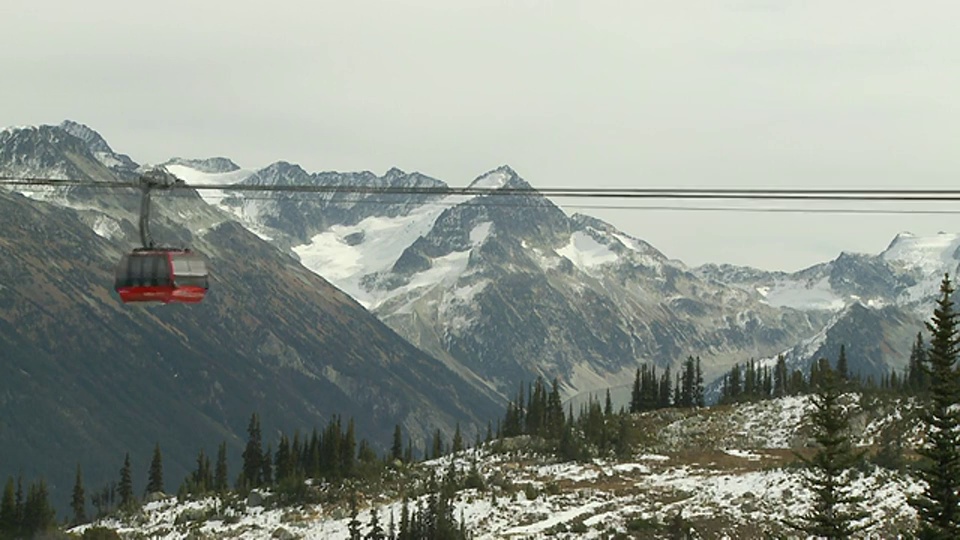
point(162, 275)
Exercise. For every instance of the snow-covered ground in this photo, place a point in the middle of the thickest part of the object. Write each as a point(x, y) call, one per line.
point(738, 500)
point(745, 486)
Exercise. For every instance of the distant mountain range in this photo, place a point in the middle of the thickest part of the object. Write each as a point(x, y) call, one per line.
point(412, 309)
point(509, 288)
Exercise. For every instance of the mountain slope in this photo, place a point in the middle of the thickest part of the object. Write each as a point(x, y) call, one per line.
point(86, 378)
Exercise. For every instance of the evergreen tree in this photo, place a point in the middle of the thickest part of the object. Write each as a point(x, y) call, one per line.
point(939, 505)
point(767, 389)
point(699, 399)
point(252, 455)
point(536, 417)
point(797, 383)
point(283, 460)
point(312, 466)
point(126, 484)
point(687, 382)
point(843, 370)
point(555, 418)
point(663, 393)
point(332, 448)
point(8, 510)
point(376, 531)
point(457, 440)
point(635, 394)
point(733, 389)
point(348, 452)
point(651, 389)
point(408, 453)
point(918, 373)
point(836, 512)
point(354, 525)
point(19, 502)
point(201, 479)
point(38, 514)
point(608, 405)
point(365, 453)
point(396, 450)
point(780, 377)
point(220, 476)
point(437, 445)
point(78, 502)
point(405, 532)
point(155, 475)
point(750, 380)
point(266, 467)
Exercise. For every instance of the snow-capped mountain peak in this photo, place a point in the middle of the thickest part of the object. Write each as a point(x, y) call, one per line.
point(98, 147)
point(929, 254)
point(498, 178)
point(94, 140)
point(280, 173)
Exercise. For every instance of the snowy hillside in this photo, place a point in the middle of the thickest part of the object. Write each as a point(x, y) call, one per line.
point(727, 471)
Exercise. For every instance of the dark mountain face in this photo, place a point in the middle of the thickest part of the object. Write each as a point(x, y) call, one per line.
point(866, 276)
point(84, 378)
point(46, 149)
point(872, 338)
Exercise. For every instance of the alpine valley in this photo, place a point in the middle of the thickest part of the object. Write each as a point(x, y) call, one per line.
point(419, 310)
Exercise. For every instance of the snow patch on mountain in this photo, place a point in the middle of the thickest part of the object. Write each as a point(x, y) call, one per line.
point(586, 253)
point(344, 254)
point(108, 159)
point(448, 269)
point(197, 177)
point(107, 227)
point(802, 295)
point(546, 261)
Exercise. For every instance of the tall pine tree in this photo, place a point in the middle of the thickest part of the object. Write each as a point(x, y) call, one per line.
point(843, 370)
point(396, 450)
point(8, 510)
point(457, 440)
point(918, 373)
point(155, 476)
point(939, 505)
point(836, 512)
point(220, 478)
point(78, 502)
point(250, 476)
point(126, 484)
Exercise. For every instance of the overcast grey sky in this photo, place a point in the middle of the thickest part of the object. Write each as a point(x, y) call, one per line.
point(599, 93)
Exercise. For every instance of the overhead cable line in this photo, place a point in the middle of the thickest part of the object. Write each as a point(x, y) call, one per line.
point(899, 195)
point(574, 206)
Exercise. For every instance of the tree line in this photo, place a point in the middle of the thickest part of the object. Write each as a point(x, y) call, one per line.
point(754, 381)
